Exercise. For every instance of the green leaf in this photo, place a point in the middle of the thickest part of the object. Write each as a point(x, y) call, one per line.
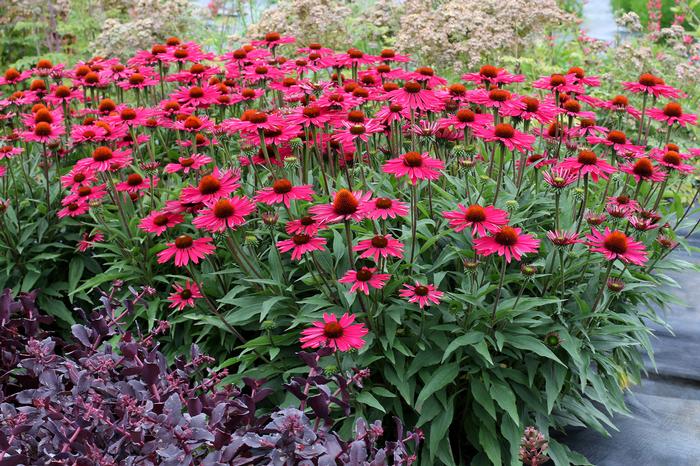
point(464, 340)
point(75, 272)
point(526, 342)
point(481, 395)
point(505, 398)
point(439, 427)
point(489, 441)
point(441, 378)
point(368, 399)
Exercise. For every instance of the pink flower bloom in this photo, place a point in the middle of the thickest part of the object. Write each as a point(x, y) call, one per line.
point(481, 220)
point(587, 162)
point(187, 164)
point(643, 170)
point(349, 132)
point(415, 165)
point(135, 183)
point(158, 221)
point(424, 295)
point(272, 40)
point(489, 74)
point(379, 246)
point(194, 124)
point(529, 108)
point(563, 238)
point(89, 241)
point(346, 205)
point(9, 151)
point(282, 191)
point(212, 187)
point(184, 296)
point(223, 214)
point(384, 208)
point(185, 249)
point(195, 96)
point(311, 115)
point(672, 160)
point(340, 335)
point(508, 136)
point(495, 98)
point(413, 96)
point(618, 141)
point(559, 177)
point(466, 118)
point(300, 244)
point(559, 83)
point(91, 133)
point(617, 245)
point(305, 226)
point(580, 78)
point(624, 202)
point(508, 242)
point(365, 278)
point(650, 84)
point(672, 113)
point(104, 159)
point(78, 177)
point(74, 209)
point(43, 132)
point(354, 57)
point(85, 194)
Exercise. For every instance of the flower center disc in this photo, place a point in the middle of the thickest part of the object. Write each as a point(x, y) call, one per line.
point(223, 208)
point(209, 185)
point(332, 330)
point(183, 242)
point(506, 236)
point(345, 203)
point(616, 242)
point(475, 213)
point(413, 159)
point(379, 242)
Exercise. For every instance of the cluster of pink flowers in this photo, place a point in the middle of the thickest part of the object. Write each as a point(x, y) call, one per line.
point(333, 114)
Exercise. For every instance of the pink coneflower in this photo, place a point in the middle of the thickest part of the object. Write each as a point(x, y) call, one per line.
point(379, 246)
point(508, 242)
point(158, 221)
point(672, 160)
point(85, 194)
point(672, 113)
point(105, 159)
point(415, 165)
point(78, 177)
point(529, 108)
point(311, 115)
point(135, 183)
point(282, 191)
point(650, 84)
point(74, 209)
point(184, 296)
point(587, 127)
point(489, 74)
point(572, 109)
point(495, 98)
point(193, 124)
point(617, 245)
point(91, 133)
point(507, 135)
point(466, 118)
point(365, 278)
point(642, 224)
point(196, 96)
point(306, 225)
point(43, 132)
point(300, 244)
point(413, 96)
point(559, 83)
point(580, 77)
point(223, 214)
point(185, 249)
point(481, 220)
point(272, 40)
point(88, 241)
point(350, 131)
point(621, 103)
point(587, 162)
point(624, 202)
point(60, 95)
point(618, 141)
point(354, 57)
point(212, 187)
point(643, 170)
point(9, 151)
point(383, 207)
point(346, 205)
point(563, 238)
point(559, 177)
point(187, 164)
point(393, 113)
point(340, 335)
point(424, 295)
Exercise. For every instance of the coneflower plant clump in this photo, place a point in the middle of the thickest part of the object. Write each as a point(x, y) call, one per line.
point(490, 250)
